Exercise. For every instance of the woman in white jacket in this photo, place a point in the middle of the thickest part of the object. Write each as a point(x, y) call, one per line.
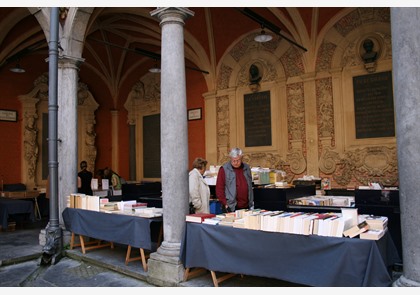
point(198, 187)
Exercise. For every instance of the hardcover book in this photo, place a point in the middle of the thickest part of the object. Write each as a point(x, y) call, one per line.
point(198, 217)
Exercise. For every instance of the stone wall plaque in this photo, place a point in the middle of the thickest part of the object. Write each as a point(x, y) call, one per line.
point(151, 146)
point(374, 105)
point(257, 117)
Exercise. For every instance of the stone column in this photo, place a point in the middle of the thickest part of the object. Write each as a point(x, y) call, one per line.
point(67, 129)
point(406, 67)
point(165, 268)
point(115, 142)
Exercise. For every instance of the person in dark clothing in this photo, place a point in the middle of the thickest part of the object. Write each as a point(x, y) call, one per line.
point(84, 179)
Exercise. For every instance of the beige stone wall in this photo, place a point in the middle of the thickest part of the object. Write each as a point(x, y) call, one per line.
point(312, 103)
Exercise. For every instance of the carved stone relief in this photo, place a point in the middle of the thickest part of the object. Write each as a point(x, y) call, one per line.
point(295, 111)
point(326, 52)
point(292, 62)
point(30, 132)
point(144, 98)
point(223, 125)
point(87, 136)
point(325, 107)
point(36, 102)
point(30, 144)
point(378, 164)
point(223, 77)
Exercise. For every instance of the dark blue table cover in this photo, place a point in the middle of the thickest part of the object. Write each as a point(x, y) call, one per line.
point(14, 206)
point(308, 260)
point(118, 228)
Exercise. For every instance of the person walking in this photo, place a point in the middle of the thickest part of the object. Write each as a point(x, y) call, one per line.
point(234, 183)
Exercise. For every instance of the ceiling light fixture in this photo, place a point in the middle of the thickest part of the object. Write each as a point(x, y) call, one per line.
point(263, 37)
point(17, 69)
point(155, 68)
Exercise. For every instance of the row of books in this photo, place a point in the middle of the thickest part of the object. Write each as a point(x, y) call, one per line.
point(302, 223)
point(321, 200)
point(82, 201)
point(96, 203)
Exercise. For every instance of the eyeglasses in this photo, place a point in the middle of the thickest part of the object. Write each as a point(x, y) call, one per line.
point(233, 161)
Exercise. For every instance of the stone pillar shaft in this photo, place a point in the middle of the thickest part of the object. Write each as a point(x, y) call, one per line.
point(67, 129)
point(406, 70)
point(164, 265)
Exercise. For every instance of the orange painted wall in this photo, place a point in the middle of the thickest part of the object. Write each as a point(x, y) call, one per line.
point(13, 85)
point(196, 86)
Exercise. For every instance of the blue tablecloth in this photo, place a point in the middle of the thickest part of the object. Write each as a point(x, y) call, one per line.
point(14, 206)
point(309, 260)
point(118, 228)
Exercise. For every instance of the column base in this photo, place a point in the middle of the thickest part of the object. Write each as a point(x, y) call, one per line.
point(404, 282)
point(164, 271)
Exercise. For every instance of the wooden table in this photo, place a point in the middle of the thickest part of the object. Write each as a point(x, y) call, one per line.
point(25, 195)
point(130, 230)
point(307, 260)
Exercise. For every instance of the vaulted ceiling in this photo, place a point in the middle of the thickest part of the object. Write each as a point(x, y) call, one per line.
point(118, 37)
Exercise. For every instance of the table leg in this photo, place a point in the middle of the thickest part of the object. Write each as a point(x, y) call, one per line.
point(189, 274)
point(37, 211)
point(143, 256)
point(216, 280)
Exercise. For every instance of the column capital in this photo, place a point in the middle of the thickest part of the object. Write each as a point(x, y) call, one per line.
point(172, 14)
point(66, 61)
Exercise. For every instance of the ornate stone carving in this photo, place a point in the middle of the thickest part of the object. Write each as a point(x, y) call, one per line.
point(86, 110)
point(377, 164)
point(297, 161)
point(91, 150)
point(30, 144)
point(350, 58)
point(348, 23)
point(151, 93)
point(295, 111)
point(223, 125)
point(292, 62)
point(144, 98)
point(325, 107)
point(324, 58)
point(223, 77)
point(132, 104)
point(328, 161)
point(264, 160)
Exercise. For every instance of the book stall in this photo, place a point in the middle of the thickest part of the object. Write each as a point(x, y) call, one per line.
point(307, 248)
point(108, 223)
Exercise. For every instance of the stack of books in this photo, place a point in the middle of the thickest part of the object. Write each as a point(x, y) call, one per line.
point(378, 225)
point(357, 229)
